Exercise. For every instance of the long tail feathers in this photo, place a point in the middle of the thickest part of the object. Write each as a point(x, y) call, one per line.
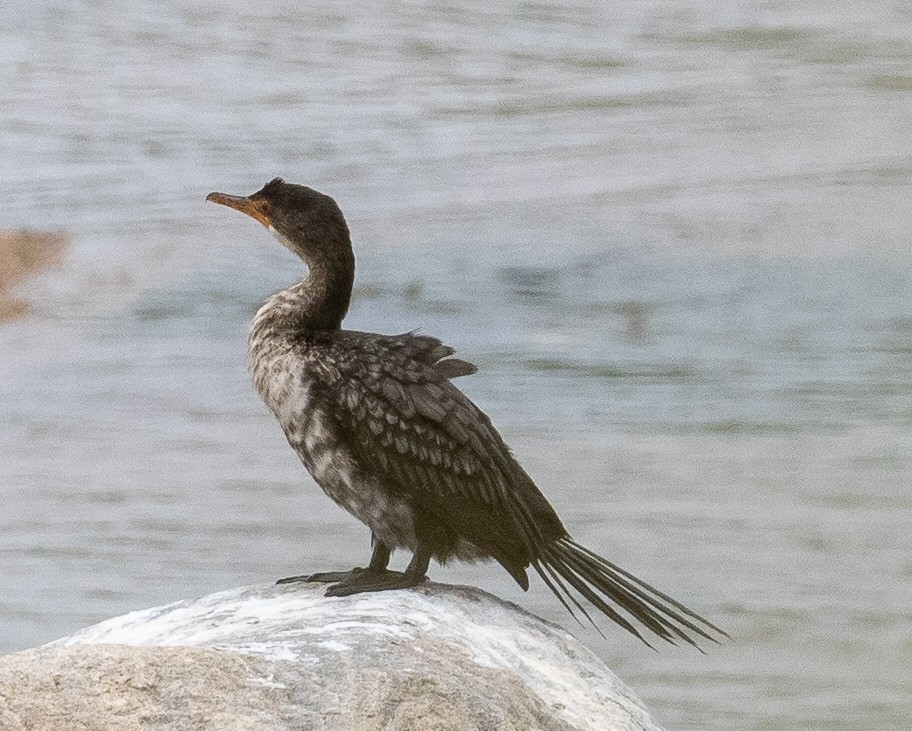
point(564, 564)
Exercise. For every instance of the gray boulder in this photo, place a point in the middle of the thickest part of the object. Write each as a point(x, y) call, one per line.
point(286, 657)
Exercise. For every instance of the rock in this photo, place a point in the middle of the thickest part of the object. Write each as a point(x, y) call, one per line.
point(23, 253)
point(286, 657)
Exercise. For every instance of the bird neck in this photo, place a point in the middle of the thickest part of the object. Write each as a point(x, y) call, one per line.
point(320, 300)
point(316, 303)
point(325, 294)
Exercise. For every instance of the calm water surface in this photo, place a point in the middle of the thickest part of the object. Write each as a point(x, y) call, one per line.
point(674, 237)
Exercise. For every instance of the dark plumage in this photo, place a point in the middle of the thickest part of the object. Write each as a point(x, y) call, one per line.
point(379, 425)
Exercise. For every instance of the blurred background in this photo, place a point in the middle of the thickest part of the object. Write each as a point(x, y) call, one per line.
point(673, 235)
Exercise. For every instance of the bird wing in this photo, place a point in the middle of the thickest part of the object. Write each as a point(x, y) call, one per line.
point(407, 424)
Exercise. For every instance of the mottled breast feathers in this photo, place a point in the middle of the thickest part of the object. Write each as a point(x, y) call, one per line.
point(406, 424)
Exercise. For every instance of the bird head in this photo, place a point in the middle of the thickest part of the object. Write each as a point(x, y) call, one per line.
point(305, 221)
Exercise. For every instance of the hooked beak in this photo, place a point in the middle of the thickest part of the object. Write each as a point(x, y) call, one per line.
point(257, 208)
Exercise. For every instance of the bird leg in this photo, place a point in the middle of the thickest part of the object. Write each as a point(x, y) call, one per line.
point(380, 557)
point(364, 581)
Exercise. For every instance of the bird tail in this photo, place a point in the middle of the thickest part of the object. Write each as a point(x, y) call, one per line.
point(564, 564)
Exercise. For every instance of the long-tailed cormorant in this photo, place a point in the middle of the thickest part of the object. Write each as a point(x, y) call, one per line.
point(379, 425)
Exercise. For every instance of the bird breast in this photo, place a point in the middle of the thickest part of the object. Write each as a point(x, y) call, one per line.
point(279, 372)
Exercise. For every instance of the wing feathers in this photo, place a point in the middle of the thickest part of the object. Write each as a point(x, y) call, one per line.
point(456, 367)
point(410, 427)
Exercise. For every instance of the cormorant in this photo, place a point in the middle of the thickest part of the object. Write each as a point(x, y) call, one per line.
point(378, 424)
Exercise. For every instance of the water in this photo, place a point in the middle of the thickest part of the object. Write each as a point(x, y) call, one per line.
point(673, 236)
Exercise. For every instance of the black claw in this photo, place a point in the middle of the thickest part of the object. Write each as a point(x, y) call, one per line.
point(293, 579)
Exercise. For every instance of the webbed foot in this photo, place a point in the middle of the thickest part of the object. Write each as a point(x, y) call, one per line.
point(325, 577)
point(368, 580)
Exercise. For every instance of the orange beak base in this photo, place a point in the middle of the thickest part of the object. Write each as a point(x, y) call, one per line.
point(257, 208)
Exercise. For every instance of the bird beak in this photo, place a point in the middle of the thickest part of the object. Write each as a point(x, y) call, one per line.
point(254, 207)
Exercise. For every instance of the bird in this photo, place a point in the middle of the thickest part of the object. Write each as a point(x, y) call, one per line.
point(382, 429)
